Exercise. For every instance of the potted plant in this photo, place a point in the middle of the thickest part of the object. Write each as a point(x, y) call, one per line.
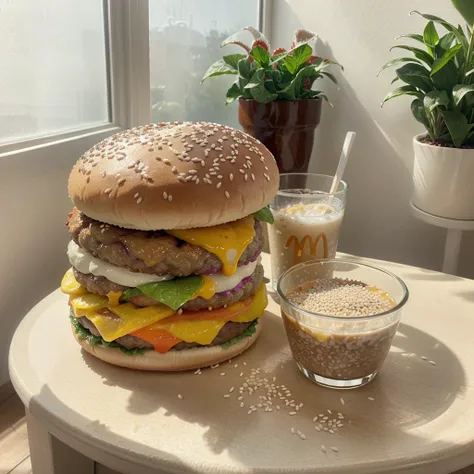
point(277, 103)
point(440, 76)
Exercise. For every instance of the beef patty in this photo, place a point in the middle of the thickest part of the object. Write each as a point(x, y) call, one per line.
point(153, 252)
point(102, 286)
point(228, 332)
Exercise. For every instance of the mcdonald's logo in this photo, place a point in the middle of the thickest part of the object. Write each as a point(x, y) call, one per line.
point(299, 246)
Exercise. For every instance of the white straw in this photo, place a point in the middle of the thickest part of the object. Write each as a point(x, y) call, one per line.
point(346, 150)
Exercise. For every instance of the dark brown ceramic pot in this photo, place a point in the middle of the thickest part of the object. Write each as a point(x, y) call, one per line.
point(285, 127)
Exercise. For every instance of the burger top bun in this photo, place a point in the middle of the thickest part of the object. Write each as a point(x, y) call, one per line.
point(174, 176)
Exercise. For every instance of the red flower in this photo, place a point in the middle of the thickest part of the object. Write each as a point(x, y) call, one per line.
point(278, 51)
point(306, 84)
point(311, 59)
point(259, 43)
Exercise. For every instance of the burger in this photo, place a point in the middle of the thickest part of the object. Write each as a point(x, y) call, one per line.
point(166, 236)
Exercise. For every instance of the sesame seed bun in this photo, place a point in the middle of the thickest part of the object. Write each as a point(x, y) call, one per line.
point(172, 361)
point(174, 176)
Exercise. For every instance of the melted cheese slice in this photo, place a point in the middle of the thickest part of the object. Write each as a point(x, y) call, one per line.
point(204, 331)
point(227, 241)
point(130, 318)
point(207, 290)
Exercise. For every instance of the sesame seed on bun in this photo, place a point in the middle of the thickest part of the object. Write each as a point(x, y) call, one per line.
point(174, 176)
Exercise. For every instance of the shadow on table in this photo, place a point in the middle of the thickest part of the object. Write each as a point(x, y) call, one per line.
point(409, 392)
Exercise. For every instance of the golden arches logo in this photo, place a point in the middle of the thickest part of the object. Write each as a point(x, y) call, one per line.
point(313, 244)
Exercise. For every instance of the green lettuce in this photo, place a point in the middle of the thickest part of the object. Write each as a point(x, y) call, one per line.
point(173, 293)
point(265, 214)
point(247, 333)
point(84, 333)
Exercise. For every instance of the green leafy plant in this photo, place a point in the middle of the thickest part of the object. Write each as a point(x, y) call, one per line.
point(281, 75)
point(439, 74)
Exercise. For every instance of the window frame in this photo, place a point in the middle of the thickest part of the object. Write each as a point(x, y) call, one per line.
point(128, 79)
point(128, 83)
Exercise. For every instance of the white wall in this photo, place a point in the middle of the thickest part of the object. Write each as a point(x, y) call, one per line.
point(34, 208)
point(358, 34)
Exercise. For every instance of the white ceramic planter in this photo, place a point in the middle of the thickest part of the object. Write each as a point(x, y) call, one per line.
point(443, 180)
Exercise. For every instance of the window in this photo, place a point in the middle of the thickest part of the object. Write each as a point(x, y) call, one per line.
point(54, 69)
point(185, 38)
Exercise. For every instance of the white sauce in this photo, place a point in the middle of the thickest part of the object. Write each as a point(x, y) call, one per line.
point(86, 263)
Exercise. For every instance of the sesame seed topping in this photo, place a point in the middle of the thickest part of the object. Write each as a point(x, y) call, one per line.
point(371, 399)
point(180, 396)
point(107, 191)
point(139, 200)
point(170, 198)
point(227, 195)
point(231, 176)
point(165, 195)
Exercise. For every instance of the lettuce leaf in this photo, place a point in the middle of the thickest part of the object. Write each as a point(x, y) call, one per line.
point(84, 333)
point(265, 214)
point(247, 333)
point(173, 293)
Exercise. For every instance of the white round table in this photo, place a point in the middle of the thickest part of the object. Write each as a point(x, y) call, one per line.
point(416, 416)
point(455, 228)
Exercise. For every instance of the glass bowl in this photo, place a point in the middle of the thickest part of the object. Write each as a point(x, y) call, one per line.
point(341, 351)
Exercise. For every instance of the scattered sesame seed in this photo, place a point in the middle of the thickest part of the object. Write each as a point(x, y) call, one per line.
point(165, 195)
point(432, 362)
point(335, 449)
point(292, 431)
point(423, 358)
point(139, 200)
point(292, 413)
point(222, 373)
point(323, 449)
point(180, 396)
point(342, 401)
point(241, 373)
point(329, 411)
point(170, 198)
point(371, 399)
point(226, 395)
point(302, 436)
point(227, 195)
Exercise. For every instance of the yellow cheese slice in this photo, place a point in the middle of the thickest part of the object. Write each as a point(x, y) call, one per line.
point(129, 319)
point(227, 241)
point(207, 290)
point(70, 285)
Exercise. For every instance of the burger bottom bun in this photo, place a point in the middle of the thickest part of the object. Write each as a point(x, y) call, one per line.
point(172, 361)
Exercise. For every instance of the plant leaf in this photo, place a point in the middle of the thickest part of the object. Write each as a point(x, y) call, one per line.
point(415, 75)
point(418, 111)
point(412, 36)
point(459, 91)
point(264, 214)
point(460, 36)
point(173, 293)
point(457, 125)
point(243, 66)
point(466, 9)
point(435, 99)
point(292, 91)
point(430, 36)
point(233, 93)
point(232, 60)
point(257, 88)
point(419, 53)
point(331, 76)
point(302, 53)
point(261, 56)
point(396, 61)
point(218, 69)
point(439, 63)
point(291, 64)
point(447, 77)
point(404, 90)
point(446, 41)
